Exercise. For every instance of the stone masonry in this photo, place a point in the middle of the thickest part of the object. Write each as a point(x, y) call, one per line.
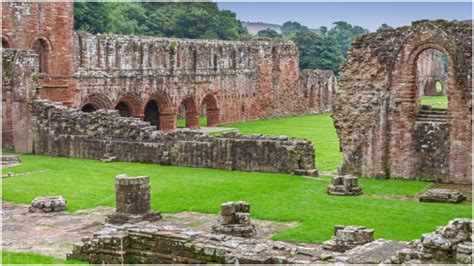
point(348, 237)
point(376, 107)
point(67, 132)
point(442, 195)
point(235, 220)
point(447, 245)
point(155, 79)
point(48, 204)
point(132, 201)
point(344, 186)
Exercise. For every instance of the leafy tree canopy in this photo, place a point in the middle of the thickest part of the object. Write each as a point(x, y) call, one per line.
point(268, 33)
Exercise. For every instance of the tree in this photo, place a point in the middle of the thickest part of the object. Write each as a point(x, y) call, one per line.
point(289, 28)
point(268, 33)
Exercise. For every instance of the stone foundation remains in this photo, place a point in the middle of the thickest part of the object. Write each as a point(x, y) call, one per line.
point(67, 132)
point(380, 123)
point(235, 220)
point(10, 160)
point(132, 201)
point(442, 195)
point(348, 237)
point(344, 186)
point(448, 244)
point(48, 204)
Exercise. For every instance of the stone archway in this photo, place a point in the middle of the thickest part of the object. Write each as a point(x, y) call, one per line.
point(191, 113)
point(95, 102)
point(158, 111)
point(377, 114)
point(210, 109)
point(130, 104)
point(43, 49)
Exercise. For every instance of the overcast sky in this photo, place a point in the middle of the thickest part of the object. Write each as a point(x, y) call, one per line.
point(367, 15)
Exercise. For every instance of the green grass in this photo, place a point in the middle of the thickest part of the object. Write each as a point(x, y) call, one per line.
point(318, 129)
point(31, 258)
point(181, 123)
point(278, 197)
point(435, 101)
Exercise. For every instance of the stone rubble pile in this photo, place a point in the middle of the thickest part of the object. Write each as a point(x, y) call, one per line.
point(442, 195)
point(348, 237)
point(48, 204)
point(132, 201)
point(448, 244)
point(344, 186)
point(235, 220)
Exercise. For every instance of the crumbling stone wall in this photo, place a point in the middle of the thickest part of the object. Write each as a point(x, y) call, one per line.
point(431, 69)
point(19, 76)
point(67, 132)
point(46, 28)
point(318, 88)
point(234, 81)
point(375, 110)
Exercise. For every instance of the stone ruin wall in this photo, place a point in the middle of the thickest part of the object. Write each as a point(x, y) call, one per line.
point(247, 80)
point(376, 107)
point(67, 132)
point(236, 81)
point(19, 82)
point(430, 69)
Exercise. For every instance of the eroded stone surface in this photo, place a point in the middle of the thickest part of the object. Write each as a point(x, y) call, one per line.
point(48, 204)
point(348, 237)
point(344, 186)
point(440, 246)
point(53, 234)
point(132, 194)
point(235, 220)
point(442, 195)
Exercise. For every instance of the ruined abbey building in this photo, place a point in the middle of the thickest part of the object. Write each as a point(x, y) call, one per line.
point(154, 80)
point(383, 129)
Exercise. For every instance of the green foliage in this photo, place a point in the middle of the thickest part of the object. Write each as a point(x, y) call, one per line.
point(319, 129)
point(182, 20)
point(269, 33)
point(278, 197)
point(31, 258)
point(319, 49)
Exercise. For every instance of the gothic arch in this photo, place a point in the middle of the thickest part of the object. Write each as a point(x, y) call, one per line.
point(209, 102)
point(165, 118)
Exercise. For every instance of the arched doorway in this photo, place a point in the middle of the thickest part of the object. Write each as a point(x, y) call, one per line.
point(432, 66)
point(89, 108)
point(41, 47)
point(210, 110)
point(189, 111)
point(5, 43)
point(152, 113)
point(123, 109)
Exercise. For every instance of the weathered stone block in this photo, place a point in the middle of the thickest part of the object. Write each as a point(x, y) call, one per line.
point(48, 204)
point(442, 195)
point(348, 237)
point(132, 200)
point(344, 185)
point(235, 220)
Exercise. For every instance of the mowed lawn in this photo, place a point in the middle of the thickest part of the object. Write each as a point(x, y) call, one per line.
point(435, 101)
point(318, 129)
point(31, 258)
point(278, 197)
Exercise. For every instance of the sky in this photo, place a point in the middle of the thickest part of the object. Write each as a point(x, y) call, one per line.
point(367, 15)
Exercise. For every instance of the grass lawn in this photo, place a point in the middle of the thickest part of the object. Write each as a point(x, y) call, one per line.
point(181, 123)
point(279, 197)
point(31, 258)
point(435, 101)
point(318, 129)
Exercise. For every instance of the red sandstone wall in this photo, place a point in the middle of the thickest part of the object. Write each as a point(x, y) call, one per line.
point(24, 23)
point(375, 111)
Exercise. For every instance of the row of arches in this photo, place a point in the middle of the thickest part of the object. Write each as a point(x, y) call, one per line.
point(42, 48)
point(159, 110)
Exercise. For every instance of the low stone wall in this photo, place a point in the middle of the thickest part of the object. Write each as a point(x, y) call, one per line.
point(62, 131)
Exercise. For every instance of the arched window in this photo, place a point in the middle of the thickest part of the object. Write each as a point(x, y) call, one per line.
point(40, 46)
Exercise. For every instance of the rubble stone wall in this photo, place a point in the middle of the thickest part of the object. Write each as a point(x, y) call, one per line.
point(19, 76)
point(67, 132)
point(375, 110)
point(318, 88)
